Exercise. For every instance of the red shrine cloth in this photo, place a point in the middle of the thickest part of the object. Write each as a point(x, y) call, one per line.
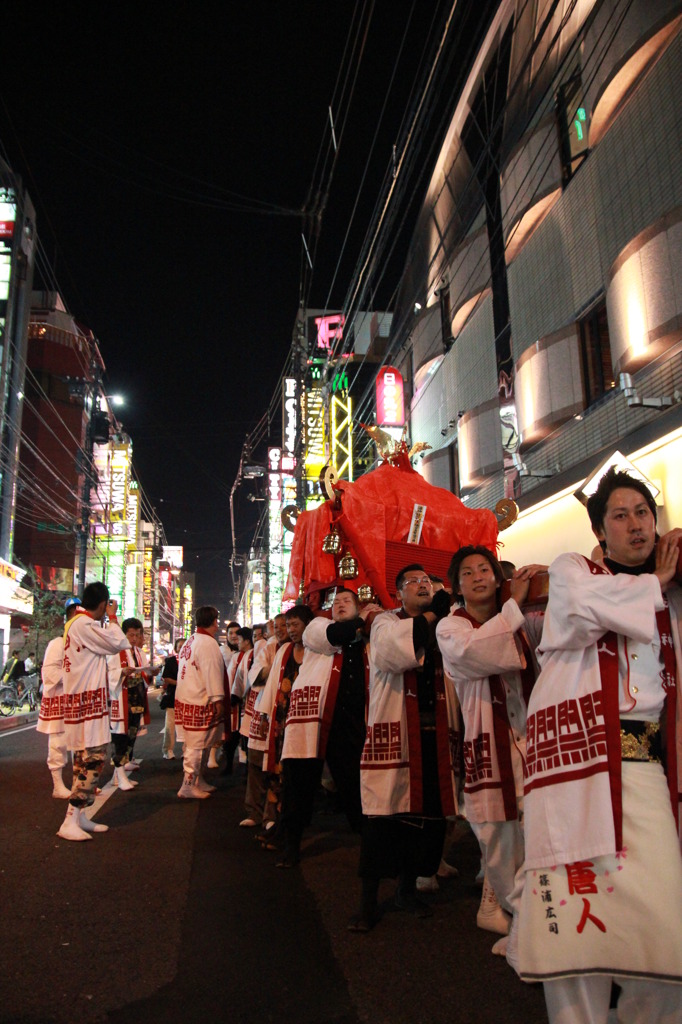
point(375, 509)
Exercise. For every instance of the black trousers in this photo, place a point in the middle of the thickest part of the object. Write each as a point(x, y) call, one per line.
point(301, 777)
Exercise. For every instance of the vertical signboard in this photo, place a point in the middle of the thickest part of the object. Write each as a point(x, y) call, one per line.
point(390, 398)
point(289, 414)
point(315, 446)
point(8, 212)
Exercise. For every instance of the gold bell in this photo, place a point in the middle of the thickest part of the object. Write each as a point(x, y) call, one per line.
point(348, 567)
point(331, 544)
point(366, 594)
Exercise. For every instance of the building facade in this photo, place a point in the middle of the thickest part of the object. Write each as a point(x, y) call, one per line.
point(539, 320)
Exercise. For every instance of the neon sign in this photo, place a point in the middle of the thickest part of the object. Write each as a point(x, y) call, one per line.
point(390, 400)
point(329, 330)
point(290, 414)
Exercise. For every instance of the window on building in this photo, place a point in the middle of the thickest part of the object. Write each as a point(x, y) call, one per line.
point(454, 468)
point(595, 354)
point(573, 127)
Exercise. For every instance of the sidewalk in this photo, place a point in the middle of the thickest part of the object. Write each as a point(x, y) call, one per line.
point(23, 717)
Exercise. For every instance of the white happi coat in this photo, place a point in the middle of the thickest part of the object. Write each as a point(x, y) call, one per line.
point(389, 774)
point(237, 684)
point(261, 660)
point(261, 721)
point(569, 814)
point(471, 656)
point(228, 657)
point(313, 696)
point(201, 685)
point(118, 692)
point(51, 716)
point(86, 688)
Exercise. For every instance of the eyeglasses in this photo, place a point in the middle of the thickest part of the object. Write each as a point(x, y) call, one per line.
point(416, 580)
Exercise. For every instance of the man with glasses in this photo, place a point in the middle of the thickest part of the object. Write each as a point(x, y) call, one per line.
point(407, 767)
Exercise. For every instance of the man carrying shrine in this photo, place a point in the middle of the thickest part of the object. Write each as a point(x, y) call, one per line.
point(407, 770)
point(603, 873)
point(326, 719)
point(487, 650)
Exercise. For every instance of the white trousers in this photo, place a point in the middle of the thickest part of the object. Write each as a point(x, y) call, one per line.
point(57, 752)
point(585, 1000)
point(169, 731)
point(502, 849)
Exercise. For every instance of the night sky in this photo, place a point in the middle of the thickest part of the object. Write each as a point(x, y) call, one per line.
point(148, 137)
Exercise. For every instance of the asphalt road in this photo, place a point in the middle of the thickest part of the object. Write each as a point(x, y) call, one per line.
point(177, 915)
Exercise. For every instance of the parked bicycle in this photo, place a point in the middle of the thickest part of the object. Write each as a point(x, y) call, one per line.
point(19, 694)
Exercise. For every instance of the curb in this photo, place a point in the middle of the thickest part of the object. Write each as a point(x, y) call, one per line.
point(16, 720)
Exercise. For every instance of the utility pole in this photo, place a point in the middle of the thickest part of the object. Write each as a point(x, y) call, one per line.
point(155, 583)
point(91, 394)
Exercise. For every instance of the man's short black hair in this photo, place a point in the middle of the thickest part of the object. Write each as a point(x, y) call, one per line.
point(245, 633)
point(205, 616)
point(279, 615)
point(400, 578)
point(131, 624)
point(611, 481)
point(347, 590)
point(300, 611)
point(233, 625)
point(94, 594)
point(458, 558)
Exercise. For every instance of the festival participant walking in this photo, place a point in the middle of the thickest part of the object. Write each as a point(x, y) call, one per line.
point(407, 770)
point(326, 719)
point(87, 644)
point(200, 701)
point(603, 873)
point(51, 716)
point(487, 650)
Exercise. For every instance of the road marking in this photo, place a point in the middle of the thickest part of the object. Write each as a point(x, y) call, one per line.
point(107, 792)
point(14, 729)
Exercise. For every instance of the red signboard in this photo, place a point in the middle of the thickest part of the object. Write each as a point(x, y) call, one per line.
point(390, 402)
point(6, 228)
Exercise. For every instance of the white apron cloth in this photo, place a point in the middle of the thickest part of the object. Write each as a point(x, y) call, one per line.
point(493, 676)
point(263, 657)
point(313, 695)
point(264, 702)
point(51, 716)
point(118, 693)
point(390, 773)
point(617, 914)
point(201, 685)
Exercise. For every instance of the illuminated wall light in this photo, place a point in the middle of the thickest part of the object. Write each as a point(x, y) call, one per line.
point(636, 323)
point(463, 454)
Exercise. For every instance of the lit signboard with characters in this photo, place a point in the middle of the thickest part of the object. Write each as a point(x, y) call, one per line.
point(390, 398)
point(147, 583)
point(289, 414)
point(8, 211)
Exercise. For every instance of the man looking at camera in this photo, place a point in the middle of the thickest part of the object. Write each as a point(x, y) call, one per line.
point(407, 771)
